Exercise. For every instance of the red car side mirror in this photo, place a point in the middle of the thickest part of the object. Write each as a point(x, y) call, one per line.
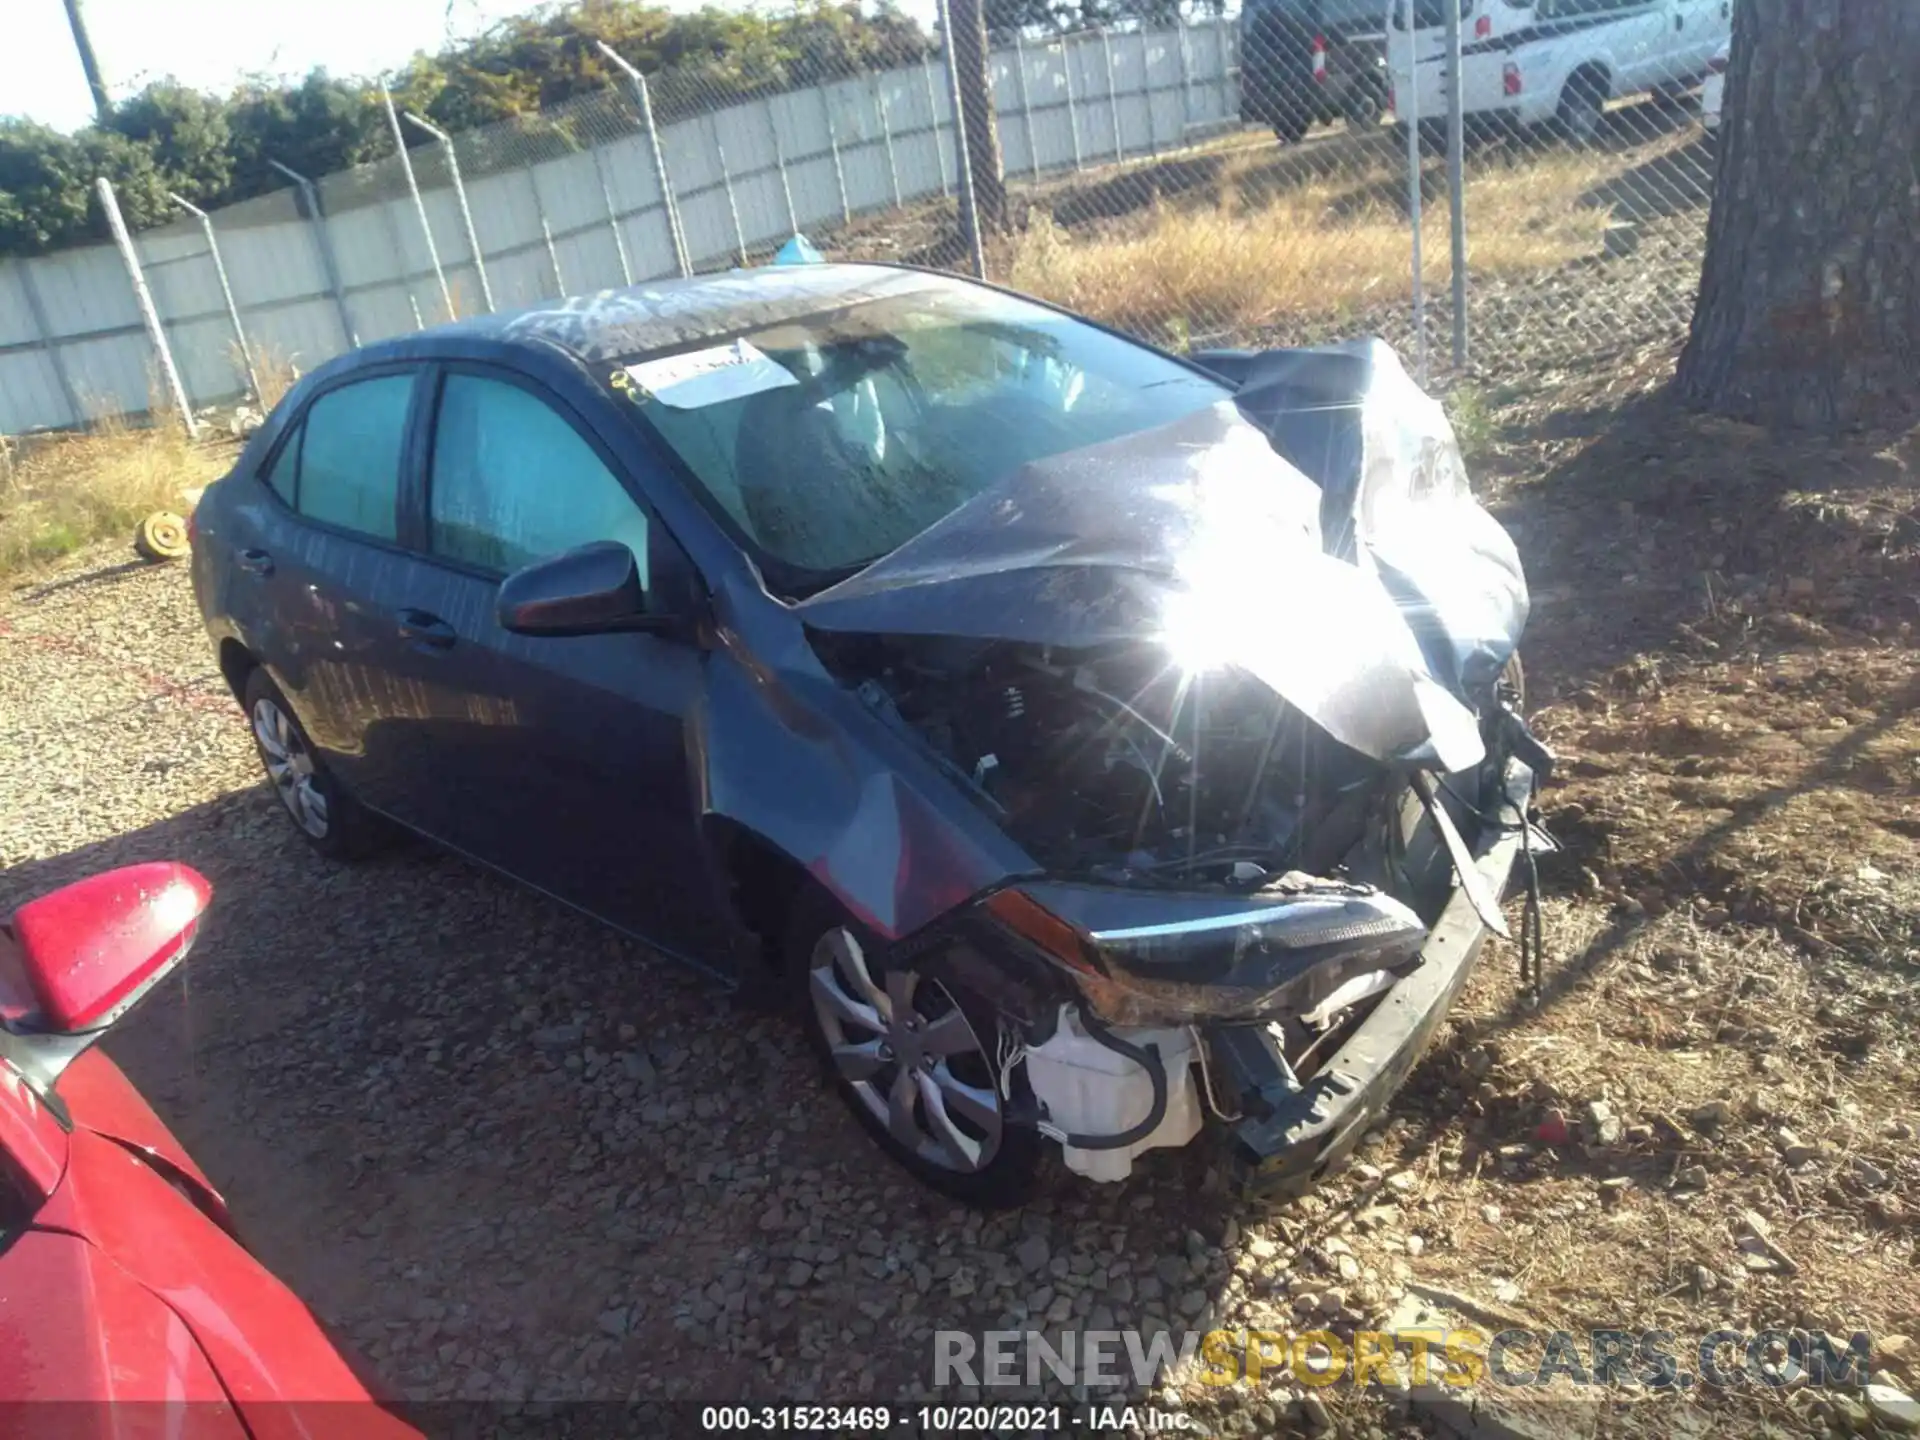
point(83, 955)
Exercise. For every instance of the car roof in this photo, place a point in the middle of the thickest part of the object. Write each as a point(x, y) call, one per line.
point(661, 314)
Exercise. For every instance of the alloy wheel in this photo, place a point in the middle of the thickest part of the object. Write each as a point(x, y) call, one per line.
point(290, 767)
point(910, 1055)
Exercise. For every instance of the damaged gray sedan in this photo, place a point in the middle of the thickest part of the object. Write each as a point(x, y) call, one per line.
point(1107, 751)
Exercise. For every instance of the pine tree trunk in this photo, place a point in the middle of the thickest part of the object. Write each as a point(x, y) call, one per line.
point(969, 41)
point(1809, 307)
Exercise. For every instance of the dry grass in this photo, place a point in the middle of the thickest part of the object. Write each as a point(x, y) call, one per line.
point(1241, 260)
point(61, 491)
point(277, 372)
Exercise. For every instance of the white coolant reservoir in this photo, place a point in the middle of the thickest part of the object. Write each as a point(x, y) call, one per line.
point(1089, 1089)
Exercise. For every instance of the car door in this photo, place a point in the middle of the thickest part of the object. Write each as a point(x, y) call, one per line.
point(315, 558)
point(561, 760)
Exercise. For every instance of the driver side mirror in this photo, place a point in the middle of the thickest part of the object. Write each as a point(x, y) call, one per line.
point(74, 961)
point(585, 591)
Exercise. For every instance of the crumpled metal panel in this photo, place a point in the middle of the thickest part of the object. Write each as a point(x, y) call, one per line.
point(1197, 535)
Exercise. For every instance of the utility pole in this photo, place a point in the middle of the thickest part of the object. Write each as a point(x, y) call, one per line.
point(102, 106)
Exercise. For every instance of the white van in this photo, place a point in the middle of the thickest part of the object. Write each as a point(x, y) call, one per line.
point(1531, 62)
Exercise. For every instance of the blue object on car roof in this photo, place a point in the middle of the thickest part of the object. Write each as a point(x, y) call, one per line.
point(798, 251)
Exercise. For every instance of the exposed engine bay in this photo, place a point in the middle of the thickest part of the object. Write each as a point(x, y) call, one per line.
point(1116, 766)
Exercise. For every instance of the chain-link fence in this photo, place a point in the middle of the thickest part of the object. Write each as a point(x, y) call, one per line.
point(1237, 179)
point(1585, 175)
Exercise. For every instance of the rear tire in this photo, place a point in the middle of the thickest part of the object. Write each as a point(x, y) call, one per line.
point(1583, 101)
point(1291, 129)
point(1363, 105)
point(327, 817)
point(912, 1058)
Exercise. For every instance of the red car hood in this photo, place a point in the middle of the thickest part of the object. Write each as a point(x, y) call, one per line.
point(129, 1285)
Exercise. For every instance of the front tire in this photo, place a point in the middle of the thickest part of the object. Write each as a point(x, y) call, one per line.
point(913, 1058)
point(327, 817)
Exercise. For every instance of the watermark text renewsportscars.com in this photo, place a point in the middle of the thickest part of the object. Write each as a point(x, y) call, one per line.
point(1456, 1358)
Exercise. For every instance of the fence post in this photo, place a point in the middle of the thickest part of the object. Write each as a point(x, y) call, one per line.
point(310, 194)
point(1186, 79)
point(419, 205)
point(969, 210)
point(39, 314)
point(143, 297)
point(780, 166)
point(833, 145)
point(1113, 93)
point(553, 255)
point(1146, 96)
point(726, 184)
point(1456, 189)
point(1026, 104)
point(886, 140)
point(460, 198)
point(226, 290)
point(933, 124)
point(1412, 119)
point(613, 219)
point(1073, 121)
point(645, 95)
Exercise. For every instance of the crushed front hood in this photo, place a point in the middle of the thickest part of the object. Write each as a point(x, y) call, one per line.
point(1198, 537)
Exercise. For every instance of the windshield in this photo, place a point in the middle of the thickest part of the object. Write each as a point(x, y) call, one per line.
point(830, 441)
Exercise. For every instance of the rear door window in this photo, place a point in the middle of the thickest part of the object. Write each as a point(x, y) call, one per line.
point(514, 482)
point(282, 475)
point(349, 456)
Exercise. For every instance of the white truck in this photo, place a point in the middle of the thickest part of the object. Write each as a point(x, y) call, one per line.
point(1537, 62)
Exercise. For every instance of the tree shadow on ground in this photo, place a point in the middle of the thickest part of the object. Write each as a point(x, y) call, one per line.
point(1665, 529)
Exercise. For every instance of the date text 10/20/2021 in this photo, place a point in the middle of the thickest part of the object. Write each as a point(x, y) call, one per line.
point(1099, 1419)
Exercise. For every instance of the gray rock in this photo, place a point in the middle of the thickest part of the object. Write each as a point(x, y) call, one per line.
point(613, 1322)
point(558, 1037)
point(1893, 1407)
point(1032, 1253)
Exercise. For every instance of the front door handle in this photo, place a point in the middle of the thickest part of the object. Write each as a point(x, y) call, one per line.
point(417, 627)
point(256, 562)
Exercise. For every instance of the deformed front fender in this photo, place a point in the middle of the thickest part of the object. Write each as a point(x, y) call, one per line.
point(793, 758)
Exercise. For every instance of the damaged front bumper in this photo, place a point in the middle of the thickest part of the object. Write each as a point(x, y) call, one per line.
point(1107, 1089)
point(1292, 1134)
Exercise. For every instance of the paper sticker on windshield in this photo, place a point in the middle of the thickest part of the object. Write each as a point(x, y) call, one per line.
point(703, 377)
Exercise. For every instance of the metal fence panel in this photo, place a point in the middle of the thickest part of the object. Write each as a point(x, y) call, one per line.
point(30, 393)
point(85, 291)
point(18, 325)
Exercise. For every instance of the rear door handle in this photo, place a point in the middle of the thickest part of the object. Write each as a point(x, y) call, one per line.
point(256, 562)
point(417, 627)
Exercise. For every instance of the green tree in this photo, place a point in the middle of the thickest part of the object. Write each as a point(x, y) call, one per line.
point(187, 134)
point(46, 185)
point(215, 151)
point(316, 127)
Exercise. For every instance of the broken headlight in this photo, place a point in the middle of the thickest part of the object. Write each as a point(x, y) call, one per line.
point(1146, 958)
